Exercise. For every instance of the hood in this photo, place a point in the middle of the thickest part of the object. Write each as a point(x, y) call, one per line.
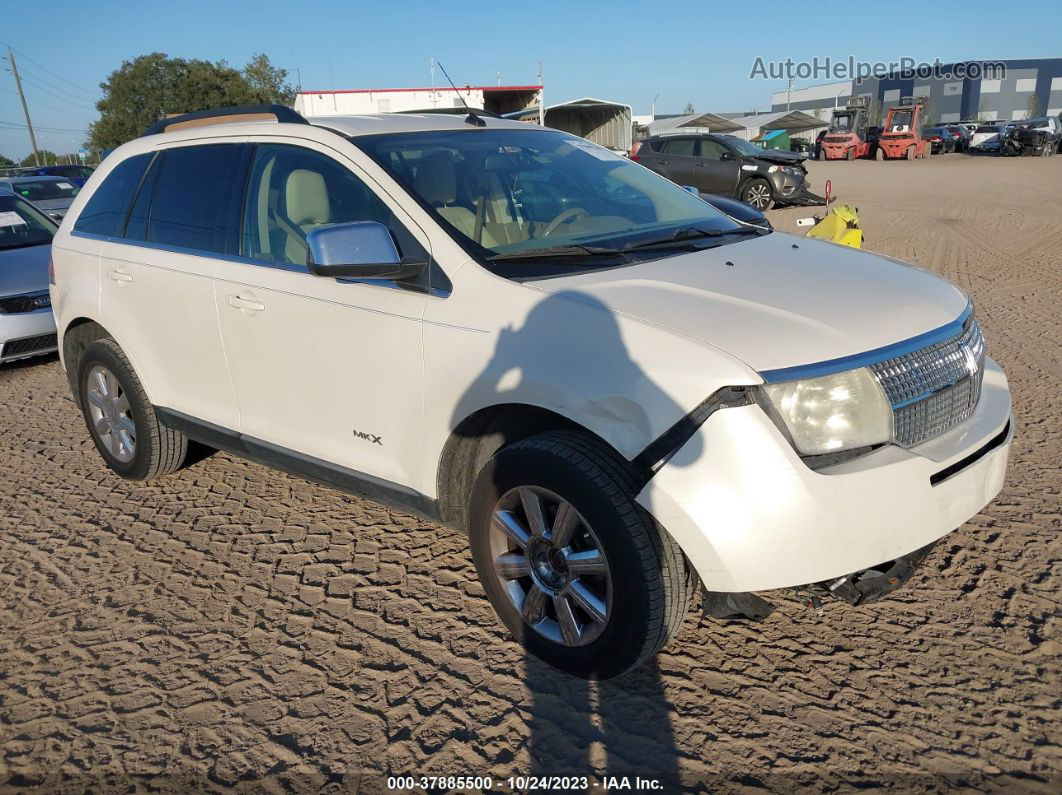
point(777, 301)
point(24, 270)
point(781, 156)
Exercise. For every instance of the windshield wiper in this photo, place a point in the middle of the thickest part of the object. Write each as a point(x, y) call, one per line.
point(559, 251)
point(683, 236)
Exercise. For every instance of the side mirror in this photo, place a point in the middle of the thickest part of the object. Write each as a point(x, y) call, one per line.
point(357, 250)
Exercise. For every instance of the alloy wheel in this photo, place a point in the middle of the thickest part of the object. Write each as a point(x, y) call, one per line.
point(551, 565)
point(759, 196)
point(112, 417)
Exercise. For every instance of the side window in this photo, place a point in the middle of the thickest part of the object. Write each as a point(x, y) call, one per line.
point(104, 212)
point(680, 146)
point(194, 204)
point(292, 190)
point(711, 150)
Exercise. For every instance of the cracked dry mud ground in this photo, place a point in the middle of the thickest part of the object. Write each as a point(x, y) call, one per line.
point(233, 625)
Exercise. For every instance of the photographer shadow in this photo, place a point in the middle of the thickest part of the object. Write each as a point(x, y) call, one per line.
point(584, 727)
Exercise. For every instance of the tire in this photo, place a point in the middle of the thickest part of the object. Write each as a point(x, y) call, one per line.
point(850, 154)
point(574, 468)
point(879, 154)
point(757, 193)
point(137, 446)
point(909, 153)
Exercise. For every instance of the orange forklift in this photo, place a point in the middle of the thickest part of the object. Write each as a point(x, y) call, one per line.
point(847, 136)
point(901, 137)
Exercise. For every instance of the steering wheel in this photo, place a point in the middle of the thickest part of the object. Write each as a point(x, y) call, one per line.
point(564, 217)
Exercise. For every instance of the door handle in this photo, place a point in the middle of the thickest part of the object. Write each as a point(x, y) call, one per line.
point(239, 302)
point(120, 276)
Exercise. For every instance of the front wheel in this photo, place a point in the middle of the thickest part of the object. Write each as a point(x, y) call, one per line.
point(757, 193)
point(580, 574)
point(121, 419)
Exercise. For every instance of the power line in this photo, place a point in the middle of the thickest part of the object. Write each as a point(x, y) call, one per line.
point(7, 125)
point(78, 103)
point(28, 74)
point(49, 71)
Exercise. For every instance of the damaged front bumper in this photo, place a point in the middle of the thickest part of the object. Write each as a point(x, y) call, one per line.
point(751, 516)
point(858, 588)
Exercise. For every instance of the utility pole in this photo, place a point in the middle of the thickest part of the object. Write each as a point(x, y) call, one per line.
point(789, 94)
point(25, 110)
point(541, 95)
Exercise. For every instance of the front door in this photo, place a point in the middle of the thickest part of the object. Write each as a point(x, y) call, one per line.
point(325, 368)
point(715, 169)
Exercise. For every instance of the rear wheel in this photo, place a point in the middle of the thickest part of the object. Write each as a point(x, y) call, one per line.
point(579, 573)
point(909, 153)
point(757, 193)
point(879, 154)
point(850, 154)
point(121, 419)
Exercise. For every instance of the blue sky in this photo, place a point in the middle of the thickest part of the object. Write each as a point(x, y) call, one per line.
point(699, 52)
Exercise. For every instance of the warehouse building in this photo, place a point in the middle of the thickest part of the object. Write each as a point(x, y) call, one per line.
point(1029, 84)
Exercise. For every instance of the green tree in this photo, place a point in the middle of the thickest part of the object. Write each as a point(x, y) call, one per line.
point(48, 158)
point(6, 162)
point(689, 109)
point(150, 87)
point(1033, 108)
point(268, 82)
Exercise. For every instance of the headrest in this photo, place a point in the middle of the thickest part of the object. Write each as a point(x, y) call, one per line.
point(306, 198)
point(436, 179)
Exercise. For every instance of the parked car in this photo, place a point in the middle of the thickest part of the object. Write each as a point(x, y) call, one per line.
point(50, 194)
point(78, 175)
point(619, 393)
point(26, 324)
point(1037, 136)
point(728, 166)
point(941, 141)
point(986, 138)
point(959, 135)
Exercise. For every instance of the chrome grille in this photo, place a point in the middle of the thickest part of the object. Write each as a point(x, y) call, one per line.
point(933, 388)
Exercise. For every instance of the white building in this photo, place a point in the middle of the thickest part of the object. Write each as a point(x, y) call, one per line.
point(356, 101)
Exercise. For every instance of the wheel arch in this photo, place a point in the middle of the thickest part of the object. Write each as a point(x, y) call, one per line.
point(78, 334)
point(478, 437)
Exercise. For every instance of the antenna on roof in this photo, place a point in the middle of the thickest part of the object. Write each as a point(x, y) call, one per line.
point(471, 118)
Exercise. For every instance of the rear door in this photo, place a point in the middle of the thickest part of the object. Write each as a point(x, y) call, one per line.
point(672, 157)
point(157, 288)
point(715, 168)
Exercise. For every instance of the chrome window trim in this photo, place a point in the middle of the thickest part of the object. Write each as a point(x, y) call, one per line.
point(874, 356)
point(241, 260)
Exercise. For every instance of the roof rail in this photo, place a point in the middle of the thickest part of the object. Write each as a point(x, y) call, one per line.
point(281, 114)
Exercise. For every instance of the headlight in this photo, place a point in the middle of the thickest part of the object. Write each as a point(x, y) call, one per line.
point(833, 412)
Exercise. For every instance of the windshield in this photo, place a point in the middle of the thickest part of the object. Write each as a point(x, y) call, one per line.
point(22, 225)
point(900, 121)
point(44, 189)
point(509, 193)
point(744, 147)
point(842, 122)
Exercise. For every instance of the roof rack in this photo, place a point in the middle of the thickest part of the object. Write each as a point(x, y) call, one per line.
point(281, 114)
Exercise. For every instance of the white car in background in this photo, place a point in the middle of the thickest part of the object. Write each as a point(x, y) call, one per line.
point(986, 138)
point(620, 393)
point(27, 327)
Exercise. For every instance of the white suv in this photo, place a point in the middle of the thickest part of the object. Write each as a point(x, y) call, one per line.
point(616, 390)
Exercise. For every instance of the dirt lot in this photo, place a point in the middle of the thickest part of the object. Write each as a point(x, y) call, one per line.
point(233, 625)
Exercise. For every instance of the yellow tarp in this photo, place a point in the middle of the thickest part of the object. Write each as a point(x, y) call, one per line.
point(841, 225)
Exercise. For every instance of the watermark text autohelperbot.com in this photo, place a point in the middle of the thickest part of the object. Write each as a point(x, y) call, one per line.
point(829, 68)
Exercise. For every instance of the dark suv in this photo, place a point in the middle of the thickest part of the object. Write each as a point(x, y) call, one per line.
point(728, 166)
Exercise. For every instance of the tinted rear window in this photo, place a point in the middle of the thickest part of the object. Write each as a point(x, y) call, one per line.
point(990, 128)
point(196, 198)
point(104, 212)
